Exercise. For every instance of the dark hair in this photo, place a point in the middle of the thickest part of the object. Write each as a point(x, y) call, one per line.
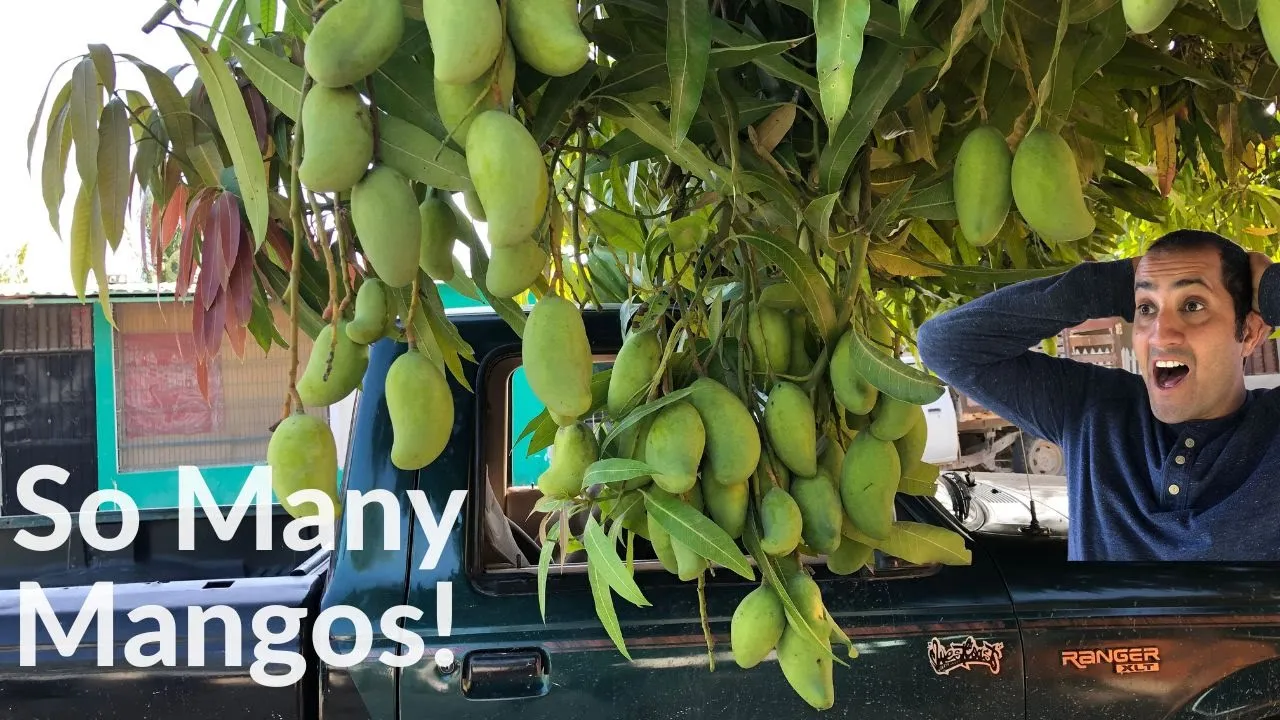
point(1237, 275)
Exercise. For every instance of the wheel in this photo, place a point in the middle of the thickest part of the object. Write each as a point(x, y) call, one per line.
point(1040, 457)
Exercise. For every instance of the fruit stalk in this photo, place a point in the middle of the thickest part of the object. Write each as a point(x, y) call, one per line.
point(322, 238)
point(410, 335)
point(373, 120)
point(706, 627)
point(295, 213)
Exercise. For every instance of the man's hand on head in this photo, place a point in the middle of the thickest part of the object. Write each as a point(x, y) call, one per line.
point(1258, 263)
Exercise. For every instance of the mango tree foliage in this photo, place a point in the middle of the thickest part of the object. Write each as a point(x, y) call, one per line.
point(743, 177)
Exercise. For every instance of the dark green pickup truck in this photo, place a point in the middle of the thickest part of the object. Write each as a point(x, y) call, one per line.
point(1017, 633)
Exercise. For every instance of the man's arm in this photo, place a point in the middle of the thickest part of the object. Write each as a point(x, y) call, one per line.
point(1266, 288)
point(982, 347)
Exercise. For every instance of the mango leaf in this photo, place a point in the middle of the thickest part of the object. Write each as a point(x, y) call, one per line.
point(883, 72)
point(620, 231)
point(936, 202)
point(902, 265)
point(818, 217)
point(1237, 14)
point(113, 169)
point(558, 98)
point(905, 8)
point(172, 106)
point(601, 552)
point(803, 274)
point(688, 50)
point(541, 429)
point(279, 80)
point(735, 55)
point(86, 106)
point(840, 25)
point(59, 102)
point(237, 131)
point(419, 156)
point(696, 531)
point(53, 169)
point(615, 470)
point(646, 122)
point(919, 478)
point(993, 20)
point(970, 11)
point(544, 567)
point(82, 239)
point(924, 544)
point(600, 591)
point(405, 89)
point(891, 376)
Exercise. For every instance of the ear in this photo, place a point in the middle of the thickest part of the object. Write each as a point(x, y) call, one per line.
point(1255, 331)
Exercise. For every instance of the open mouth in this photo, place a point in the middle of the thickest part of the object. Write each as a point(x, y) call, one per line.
point(1168, 373)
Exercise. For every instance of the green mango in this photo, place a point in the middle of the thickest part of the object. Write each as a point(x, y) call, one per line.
point(557, 357)
point(791, 425)
point(831, 461)
point(756, 626)
point(465, 37)
point(852, 390)
point(769, 463)
point(661, 542)
point(809, 671)
point(1046, 188)
point(350, 361)
point(821, 511)
point(454, 102)
point(727, 506)
point(572, 452)
point(547, 35)
point(351, 40)
point(420, 407)
point(911, 446)
point(733, 441)
point(782, 523)
point(980, 184)
point(303, 455)
point(807, 597)
point(472, 201)
point(769, 337)
point(385, 214)
point(1143, 16)
point(868, 483)
point(1269, 23)
point(439, 231)
point(892, 418)
point(370, 320)
point(801, 363)
point(689, 564)
point(782, 296)
point(509, 176)
point(514, 268)
point(674, 446)
point(850, 557)
point(337, 142)
point(633, 368)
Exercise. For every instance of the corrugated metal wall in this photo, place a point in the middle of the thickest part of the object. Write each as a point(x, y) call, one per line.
point(47, 412)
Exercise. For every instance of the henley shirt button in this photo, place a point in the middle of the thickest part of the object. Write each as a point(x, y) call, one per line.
point(1190, 443)
point(1180, 460)
point(1173, 489)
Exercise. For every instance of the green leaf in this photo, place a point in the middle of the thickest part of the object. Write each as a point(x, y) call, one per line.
point(544, 567)
point(688, 50)
point(646, 122)
point(803, 274)
point(105, 65)
point(924, 544)
point(936, 202)
point(735, 55)
point(919, 478)
point(1238, 13)
point(558, 98)
point(601, 552)
point(82, 239)
point(173, 108)
point(905, 8)
point(962, 31)
point(641, 412)
point(887, 210)
point(53, 169)
point(237, 131)
point(113, 169)
point(543, 429)
point(59, 102)
point(614, 470)
point(405, 89)
point(891, 376)
point(993, 20)
point(696, 531)
point(1109, 35)
point(604, 607)
point(419, 156)
point(986, 276)
point(620, 231)
point(279, 80)
point(883, 72)
point(818, 217)
point(86, 105)
point(840, 25)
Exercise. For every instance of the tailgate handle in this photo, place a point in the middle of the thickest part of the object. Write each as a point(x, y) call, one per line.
point(509, 673)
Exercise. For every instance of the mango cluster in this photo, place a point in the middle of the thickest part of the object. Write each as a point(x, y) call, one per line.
point(1040, 178)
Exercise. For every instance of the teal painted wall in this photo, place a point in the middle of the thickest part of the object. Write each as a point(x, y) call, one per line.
point(159, 489)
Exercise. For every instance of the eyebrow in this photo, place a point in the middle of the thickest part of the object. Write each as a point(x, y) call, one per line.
point(1148, 285)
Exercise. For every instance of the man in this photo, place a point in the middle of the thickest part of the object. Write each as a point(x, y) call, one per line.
point(1179, 462)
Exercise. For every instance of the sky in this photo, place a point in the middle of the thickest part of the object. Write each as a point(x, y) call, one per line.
point(38, 37)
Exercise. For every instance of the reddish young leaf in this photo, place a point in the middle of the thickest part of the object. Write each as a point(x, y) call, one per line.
point(241, 285)
point(231, 231)
point(257, 114)
point(214, 320)
point(238, 334)
point(280, 243)
point(173, 212)
point(212, 258)
point(202, 378)
point(197, 218)
point(197, 330)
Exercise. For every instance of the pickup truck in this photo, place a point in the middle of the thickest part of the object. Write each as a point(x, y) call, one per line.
point(1017, 633)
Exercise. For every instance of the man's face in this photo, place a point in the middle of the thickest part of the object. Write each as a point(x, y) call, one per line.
point(1184, 336)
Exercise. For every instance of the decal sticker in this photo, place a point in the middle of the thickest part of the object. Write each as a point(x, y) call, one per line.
point(966, 654)
point(1123, 660)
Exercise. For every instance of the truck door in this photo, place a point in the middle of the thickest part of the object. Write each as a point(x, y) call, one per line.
point(932, 642)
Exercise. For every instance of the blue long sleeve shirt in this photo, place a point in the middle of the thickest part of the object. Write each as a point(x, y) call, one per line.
point(1140, 489)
